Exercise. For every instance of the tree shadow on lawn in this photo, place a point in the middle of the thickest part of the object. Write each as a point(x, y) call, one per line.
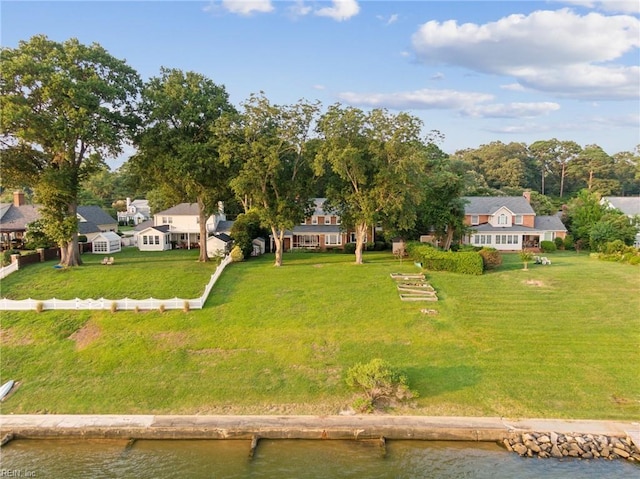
point(431, 381)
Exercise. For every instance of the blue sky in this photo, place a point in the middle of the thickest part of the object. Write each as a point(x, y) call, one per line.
point(477, 71)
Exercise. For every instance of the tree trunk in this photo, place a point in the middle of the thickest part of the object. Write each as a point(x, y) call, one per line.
point(69, 252)
point(448, 238)
point(278, 239)
point(204, 257)
point(361, 231)
point(562, 175)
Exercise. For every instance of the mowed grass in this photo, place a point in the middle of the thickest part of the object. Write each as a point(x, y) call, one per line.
point(554, 341)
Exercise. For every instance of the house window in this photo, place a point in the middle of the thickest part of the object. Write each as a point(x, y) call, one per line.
point(502, 219)
point(145, 240)
point(314, 220)
point(518, 219)
point(333, 240)
point(327, 220)
point(337, 220)
point(497, 239)
point(157, 238)
point(304, 222)
point(352, 238)
point(167, 220)
point(475, 220)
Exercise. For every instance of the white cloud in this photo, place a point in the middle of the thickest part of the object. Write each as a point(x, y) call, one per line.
point(424, 99)
point(340, 10)
point(511, 110)
point(617, 6)
point(437, 76)
point(513, 87)
point(474, 104)
point(555, 51)
point(319, 87)
point(299, 9)
point(388, 21)
point(247, 7)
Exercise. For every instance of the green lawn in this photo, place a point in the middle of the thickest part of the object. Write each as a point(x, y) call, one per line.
point(555, 341)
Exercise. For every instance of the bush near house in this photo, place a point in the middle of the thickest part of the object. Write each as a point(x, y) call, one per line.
point(437, 260)
point(548, 246)
point(618, 251)
point(491, 258)
point(559, 243)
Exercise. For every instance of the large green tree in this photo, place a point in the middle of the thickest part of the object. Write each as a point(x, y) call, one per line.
point(65, 106)
point(593, 168)
point(380, 161)
point(553, 157)
point(175, 147)
point(275, 178)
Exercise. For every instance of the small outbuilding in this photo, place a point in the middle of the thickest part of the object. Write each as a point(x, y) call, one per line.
point(219, 242)
point(106, 242)
point(154, 238)
point(259, 246)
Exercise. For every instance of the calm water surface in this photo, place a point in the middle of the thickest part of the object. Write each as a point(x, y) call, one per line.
point(289, 459)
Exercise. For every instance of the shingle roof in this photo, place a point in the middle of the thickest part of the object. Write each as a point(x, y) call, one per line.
point(629, 205)
point(182, 209)
point(87, 227)
point(223, 237)
point(549, 223)
point(95, 214)
point(488, 205)
point(224, 226)
point(16, 218)
point(143, 225)
point(161, 228)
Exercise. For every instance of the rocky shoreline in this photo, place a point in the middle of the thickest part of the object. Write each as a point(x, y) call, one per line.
point(582, 446)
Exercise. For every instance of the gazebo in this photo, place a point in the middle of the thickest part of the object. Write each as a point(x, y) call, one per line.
point(106, 242)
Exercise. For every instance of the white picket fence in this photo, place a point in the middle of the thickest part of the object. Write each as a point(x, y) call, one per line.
point(118, 304)
point(7, 270)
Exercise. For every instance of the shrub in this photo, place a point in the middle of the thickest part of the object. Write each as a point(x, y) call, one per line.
point(559, 243)
point(114, 307)
point(350, 248)
point(380, 246)
point(526, 257)
point(381, 384)
point(547, 246)
point(39, 306)
point(236, 254)
point(491, 258)
point(568, 242)
point(436, 260)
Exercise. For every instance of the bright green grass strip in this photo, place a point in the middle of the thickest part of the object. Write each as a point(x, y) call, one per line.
point(554, 341)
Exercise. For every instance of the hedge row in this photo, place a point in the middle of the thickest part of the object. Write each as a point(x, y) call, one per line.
point(436, 260)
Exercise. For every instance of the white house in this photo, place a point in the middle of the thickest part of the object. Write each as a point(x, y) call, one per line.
point(154, 238)
point(106, 242)
point(629, 205)
point(137, 211)
point(183, 223)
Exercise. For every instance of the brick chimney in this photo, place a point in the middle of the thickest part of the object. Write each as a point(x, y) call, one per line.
point(527, 196)
point(18, 198)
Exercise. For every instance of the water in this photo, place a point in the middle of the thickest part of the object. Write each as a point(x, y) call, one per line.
point(294, 459)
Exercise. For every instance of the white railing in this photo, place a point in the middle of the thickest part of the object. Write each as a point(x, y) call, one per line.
point(117, 304)
point(7, 270)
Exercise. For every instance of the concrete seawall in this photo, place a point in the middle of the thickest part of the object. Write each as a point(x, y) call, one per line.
point(298, 427)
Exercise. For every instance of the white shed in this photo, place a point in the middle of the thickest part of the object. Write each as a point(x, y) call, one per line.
point(106, 242)
point(259, 246)
point(217, 243)
point(154, 238)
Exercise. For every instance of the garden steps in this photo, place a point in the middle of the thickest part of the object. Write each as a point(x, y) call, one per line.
point(414, 287)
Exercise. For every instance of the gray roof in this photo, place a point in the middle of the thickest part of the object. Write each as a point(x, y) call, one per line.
point(316, 229)
point(182, 209)
point(224, 226)
point(16, 218)
point(95, 214)
point(223, 237)
point(549, 223)
point(87, 227)
point(629, 205)
point(143, 225)
point(488, 205)
point(161, 228)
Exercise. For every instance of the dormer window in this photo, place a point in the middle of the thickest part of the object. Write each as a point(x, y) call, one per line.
point(502, 219)
point(327, 220)
point(314, 220)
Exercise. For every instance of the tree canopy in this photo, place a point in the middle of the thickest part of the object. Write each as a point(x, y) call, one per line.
point(379, 162)
point(174, 146)
point(65, 107)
